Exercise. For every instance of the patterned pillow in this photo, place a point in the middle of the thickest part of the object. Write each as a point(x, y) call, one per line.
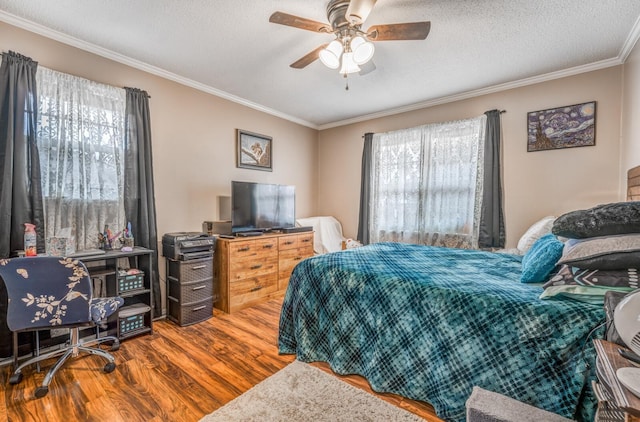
point(603, 253)
point(589, 285)
point(572, 276)
point(541, 259)
point(603, 220)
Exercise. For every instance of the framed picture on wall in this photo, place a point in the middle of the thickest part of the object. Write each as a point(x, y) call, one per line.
point(562, 127)
point(254, 150)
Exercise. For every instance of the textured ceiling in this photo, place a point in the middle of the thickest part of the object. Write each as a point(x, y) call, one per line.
point(229, 48)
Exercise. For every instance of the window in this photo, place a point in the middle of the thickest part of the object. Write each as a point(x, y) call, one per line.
point(425, 184)
point(80, 138)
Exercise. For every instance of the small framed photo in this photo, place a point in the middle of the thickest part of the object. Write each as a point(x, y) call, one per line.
point(562, 127)
point(254, 151)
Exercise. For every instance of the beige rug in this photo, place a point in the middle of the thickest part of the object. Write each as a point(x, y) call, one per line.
point(301, 392)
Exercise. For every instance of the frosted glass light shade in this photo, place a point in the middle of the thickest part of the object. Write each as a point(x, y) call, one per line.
point(330, 56)
point(362, 50)
point(348, 65)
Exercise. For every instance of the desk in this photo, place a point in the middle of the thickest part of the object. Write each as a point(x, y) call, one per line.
point(136, 315)
point(134, 318)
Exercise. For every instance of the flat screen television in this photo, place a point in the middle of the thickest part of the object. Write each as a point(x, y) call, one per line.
point(262, 206)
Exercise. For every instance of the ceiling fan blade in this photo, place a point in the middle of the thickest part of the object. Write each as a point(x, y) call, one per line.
point(308, 58)
point(298, 22)
point(399, 31)
point(359, 10)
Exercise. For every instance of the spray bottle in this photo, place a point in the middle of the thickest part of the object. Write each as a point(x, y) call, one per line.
point(30, 240)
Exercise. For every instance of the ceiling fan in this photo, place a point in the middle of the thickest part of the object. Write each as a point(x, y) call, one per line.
point(352, 46)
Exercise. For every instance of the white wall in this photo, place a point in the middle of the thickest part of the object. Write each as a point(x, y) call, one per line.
point(536, 184)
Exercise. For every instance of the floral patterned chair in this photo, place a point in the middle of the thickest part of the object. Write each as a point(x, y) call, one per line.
point(53, 292)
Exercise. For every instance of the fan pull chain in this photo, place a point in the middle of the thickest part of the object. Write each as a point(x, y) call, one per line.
point(346, 82)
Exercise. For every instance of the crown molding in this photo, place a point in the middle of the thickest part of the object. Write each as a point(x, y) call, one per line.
point(136, 64)
point(479, 92)
point(631, 41)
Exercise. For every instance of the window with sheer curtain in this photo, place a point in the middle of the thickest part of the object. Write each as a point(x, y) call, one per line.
point(80, 137)
point(426, 184)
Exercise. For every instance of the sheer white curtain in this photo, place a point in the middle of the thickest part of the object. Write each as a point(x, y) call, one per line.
point(81, 143)
point(427, 184)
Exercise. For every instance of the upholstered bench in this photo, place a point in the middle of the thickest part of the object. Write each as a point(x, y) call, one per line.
point(487, 406)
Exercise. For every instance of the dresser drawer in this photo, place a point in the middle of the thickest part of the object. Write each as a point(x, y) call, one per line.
point(254, 286)
point(289, 258)
point(296, 241)
point(255, 267)
point(192, 270)
point(253, 249)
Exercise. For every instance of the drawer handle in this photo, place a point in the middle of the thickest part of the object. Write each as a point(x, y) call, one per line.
point(199, 308)
point(307, 240)
point(297, 258)
point(255, 289)
point(267, 246)
point(245, 249)
point(288, 243)
point(198, 267)
point(255, 267)
point(199, 288)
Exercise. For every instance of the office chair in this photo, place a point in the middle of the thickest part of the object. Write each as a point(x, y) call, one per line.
point(53, 292)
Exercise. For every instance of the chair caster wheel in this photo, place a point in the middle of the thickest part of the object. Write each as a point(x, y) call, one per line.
point(109, 367)
point(114, 347)
point(15, 379)
point(41, 391)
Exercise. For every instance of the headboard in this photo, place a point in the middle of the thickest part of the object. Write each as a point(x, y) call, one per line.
point(633, 184)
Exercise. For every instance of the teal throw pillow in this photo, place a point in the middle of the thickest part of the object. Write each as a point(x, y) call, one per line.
point(541, 259)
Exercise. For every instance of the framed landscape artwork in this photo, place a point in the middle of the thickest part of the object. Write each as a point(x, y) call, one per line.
point(254, 151)
point(562, 127)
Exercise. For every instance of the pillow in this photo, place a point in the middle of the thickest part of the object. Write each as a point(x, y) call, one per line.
point(603, 220)
point(604, 279)
point(535, 232)
point(541, 259)
point(603, 253)
point(588, 294)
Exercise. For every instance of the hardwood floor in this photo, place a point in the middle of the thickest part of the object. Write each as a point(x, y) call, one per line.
point(176, 374)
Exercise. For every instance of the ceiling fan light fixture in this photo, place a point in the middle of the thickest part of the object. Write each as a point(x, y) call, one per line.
point(348, 65)
point(330, 56)
point(362, 50)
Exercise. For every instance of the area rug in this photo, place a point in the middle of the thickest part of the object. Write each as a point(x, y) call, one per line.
point(301, 392)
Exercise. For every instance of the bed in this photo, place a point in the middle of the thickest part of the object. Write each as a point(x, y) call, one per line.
point(430, 323)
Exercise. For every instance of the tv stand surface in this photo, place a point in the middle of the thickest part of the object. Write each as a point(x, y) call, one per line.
point(249, 234)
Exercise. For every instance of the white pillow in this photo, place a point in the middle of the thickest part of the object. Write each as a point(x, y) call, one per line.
point(535, 232)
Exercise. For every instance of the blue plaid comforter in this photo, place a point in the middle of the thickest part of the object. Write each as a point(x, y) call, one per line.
point(430, 323)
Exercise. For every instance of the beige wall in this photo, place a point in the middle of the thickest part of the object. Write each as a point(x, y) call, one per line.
point(630, 145)
point(194, 149)
point(536, 184)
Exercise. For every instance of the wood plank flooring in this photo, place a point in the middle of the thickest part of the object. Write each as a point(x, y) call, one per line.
point(176, 374)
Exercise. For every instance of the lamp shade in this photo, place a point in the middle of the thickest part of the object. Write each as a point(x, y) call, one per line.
point(330, 56)
point(348, 65)
point(362, 50)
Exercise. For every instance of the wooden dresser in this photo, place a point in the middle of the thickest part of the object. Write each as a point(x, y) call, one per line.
point(251, 270)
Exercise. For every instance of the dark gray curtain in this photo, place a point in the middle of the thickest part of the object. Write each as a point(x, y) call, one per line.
point(492, 233)
point(365, 190)
point(20, 185)
point(139, 198)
